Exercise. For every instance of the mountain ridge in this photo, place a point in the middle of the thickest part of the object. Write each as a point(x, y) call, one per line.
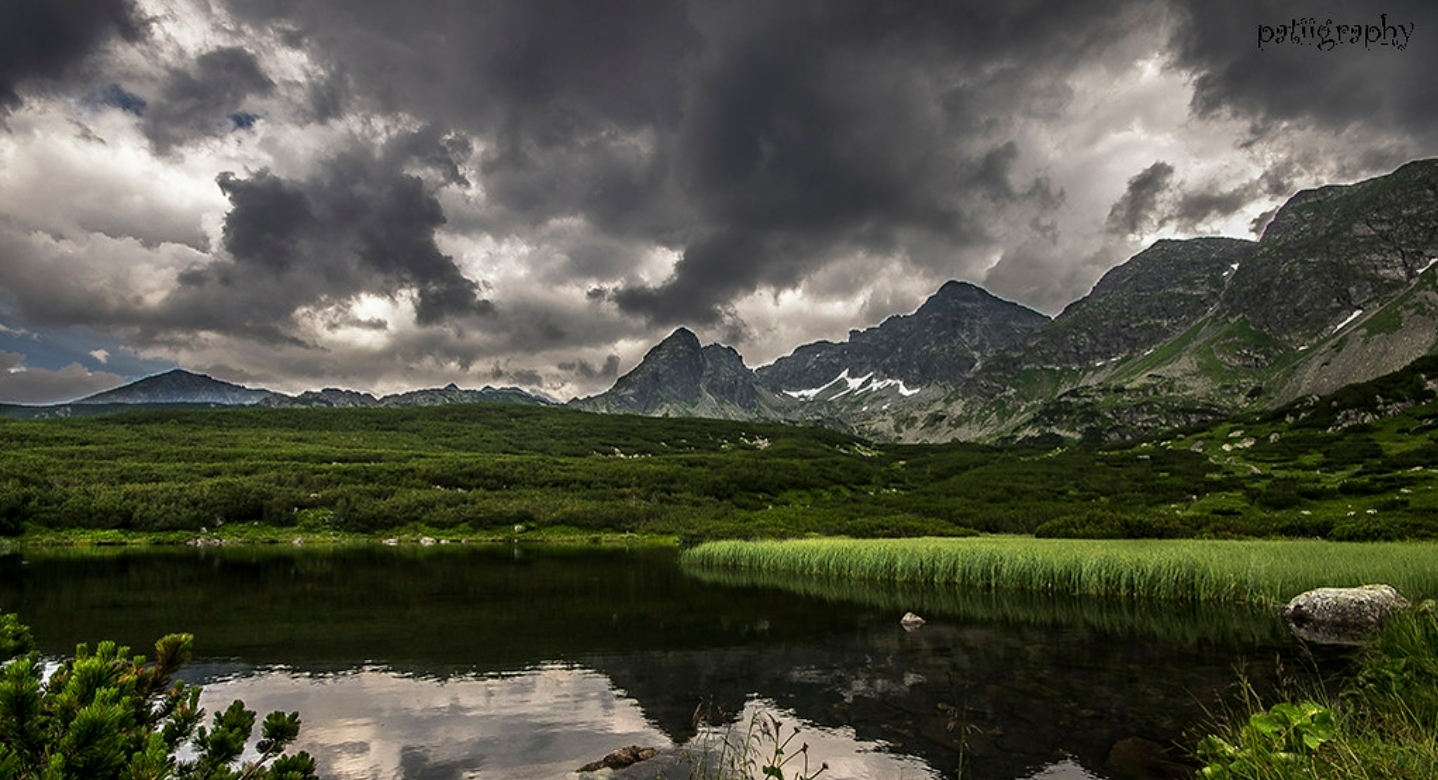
point(1340, 288)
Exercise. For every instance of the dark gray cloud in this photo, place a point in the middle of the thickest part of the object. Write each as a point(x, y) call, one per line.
point(1200, 206)
point(360, 224)
point(548, 72)
point(609, 370)
point(762, 141)
point(818, 131)
point(1137, 210)
point(206, 98)
point(42, 40)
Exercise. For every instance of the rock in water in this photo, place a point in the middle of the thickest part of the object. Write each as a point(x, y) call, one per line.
point(621, 758)
point(910, 621)
point(1342, 615)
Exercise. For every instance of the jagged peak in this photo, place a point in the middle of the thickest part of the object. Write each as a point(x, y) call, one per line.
point(681, 334)
point(959, 287)
point(959, 293)
point(722, 351)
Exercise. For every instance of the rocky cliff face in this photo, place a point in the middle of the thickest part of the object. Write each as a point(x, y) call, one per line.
point(329, 398)
point(1341, 288)
point(1337, 250)
point(1156, 295)
point(670, 373)
point(841, 385)
point(453, 394)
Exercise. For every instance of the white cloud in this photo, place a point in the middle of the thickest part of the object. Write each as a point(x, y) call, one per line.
point(68, 179)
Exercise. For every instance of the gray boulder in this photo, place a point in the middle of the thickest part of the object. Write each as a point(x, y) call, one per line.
point(1342, 615)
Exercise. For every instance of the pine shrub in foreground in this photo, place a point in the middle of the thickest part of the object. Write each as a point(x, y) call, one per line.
point(103, 715)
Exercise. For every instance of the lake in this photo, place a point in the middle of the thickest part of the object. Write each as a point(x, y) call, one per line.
point(464, 661)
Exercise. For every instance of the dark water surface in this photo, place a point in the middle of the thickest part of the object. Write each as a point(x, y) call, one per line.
point(489, 662)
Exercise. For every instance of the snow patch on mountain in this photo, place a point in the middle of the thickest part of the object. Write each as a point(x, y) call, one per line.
point(854, 385)
point(1351, 317)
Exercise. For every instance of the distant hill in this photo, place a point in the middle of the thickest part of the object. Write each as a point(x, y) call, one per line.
point(181, 389)
point(180, 386)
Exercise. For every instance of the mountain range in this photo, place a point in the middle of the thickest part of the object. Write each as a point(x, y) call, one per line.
point(181, 388)
point(1340, 288)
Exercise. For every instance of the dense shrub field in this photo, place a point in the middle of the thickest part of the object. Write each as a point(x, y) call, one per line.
point(489, 469)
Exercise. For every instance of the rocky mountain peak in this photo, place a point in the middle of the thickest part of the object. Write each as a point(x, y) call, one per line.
point(671, 371)
point(678, 375)
point(681, 338)
point(337, 398)
point(941, 341)
point(954, 294)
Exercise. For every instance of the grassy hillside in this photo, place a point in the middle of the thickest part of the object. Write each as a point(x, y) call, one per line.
point(1357, 465)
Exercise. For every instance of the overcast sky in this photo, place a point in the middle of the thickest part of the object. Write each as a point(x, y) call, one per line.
point(381, 196)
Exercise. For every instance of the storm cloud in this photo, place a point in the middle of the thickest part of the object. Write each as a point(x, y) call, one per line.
point(360, 224)
point(758, 141)
point(536, 191)
point(45, 40)
point(1345, 85)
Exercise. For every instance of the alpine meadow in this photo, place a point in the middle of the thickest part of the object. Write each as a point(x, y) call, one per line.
point(714, 390)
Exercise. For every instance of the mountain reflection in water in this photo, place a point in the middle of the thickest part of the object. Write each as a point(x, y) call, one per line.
point(460, 662)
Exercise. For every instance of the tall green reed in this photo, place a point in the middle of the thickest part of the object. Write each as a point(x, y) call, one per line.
point(1253, 572)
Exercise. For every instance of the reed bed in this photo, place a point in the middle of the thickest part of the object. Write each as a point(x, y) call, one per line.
point(1188, 623)
point(1241, 571)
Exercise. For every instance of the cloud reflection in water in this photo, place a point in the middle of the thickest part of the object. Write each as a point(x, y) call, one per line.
point(378, 724)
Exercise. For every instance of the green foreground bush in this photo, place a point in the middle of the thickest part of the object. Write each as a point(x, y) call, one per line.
point(1383, 724)
point(103, 715)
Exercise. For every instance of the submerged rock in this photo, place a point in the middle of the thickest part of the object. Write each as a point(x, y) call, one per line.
point(1138, 757)
point(1344, 616)
point(621, 758)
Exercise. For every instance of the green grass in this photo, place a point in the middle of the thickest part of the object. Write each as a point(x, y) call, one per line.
point(1251, 572)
